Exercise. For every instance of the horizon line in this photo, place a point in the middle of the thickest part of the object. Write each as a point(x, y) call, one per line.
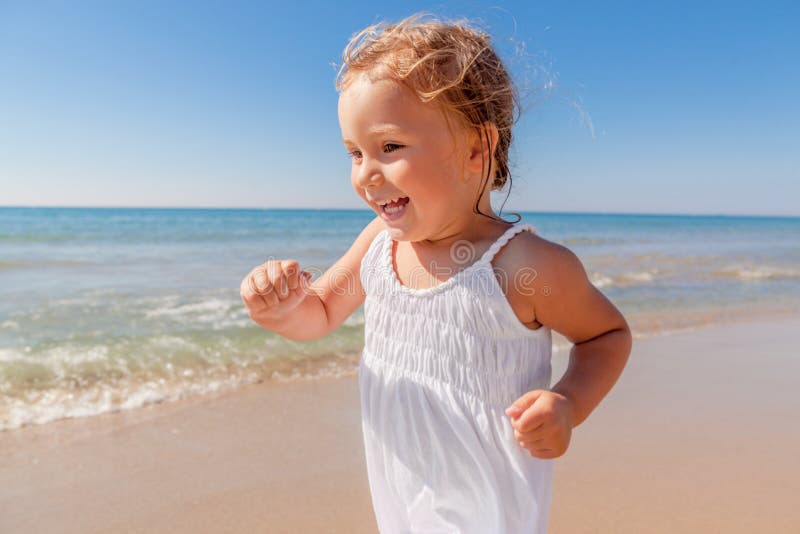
point(289, 208)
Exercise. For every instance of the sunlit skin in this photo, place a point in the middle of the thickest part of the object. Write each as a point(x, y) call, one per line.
point(402, 147)
point(443, 174)
point(418, 158)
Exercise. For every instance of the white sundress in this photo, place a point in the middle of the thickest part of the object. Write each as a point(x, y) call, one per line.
point(439, 367)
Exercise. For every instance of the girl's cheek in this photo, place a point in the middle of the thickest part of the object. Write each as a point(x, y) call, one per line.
point(363, 196)
point(359, 190)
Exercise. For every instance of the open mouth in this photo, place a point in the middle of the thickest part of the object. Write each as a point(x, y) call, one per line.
point(395, 210)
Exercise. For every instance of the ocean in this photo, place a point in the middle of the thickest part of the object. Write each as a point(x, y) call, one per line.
point(106, 309)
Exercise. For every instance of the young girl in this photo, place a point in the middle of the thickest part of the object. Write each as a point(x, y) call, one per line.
point(460, 423)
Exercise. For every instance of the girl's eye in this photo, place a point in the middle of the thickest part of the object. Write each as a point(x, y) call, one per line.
point(389, 147)
point(392, 144)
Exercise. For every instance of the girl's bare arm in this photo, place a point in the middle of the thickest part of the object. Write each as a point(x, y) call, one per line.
point(280, 300)
point(563, 298)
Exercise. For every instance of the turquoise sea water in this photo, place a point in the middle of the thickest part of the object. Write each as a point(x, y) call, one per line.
point(104, 309)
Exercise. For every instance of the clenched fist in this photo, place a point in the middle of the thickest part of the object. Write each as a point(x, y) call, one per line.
point(542, 421)
point(273, 289)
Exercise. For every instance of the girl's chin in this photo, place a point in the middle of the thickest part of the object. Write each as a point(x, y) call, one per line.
point(399, 230)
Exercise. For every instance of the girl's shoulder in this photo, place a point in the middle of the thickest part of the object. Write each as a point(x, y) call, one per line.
point(549, 281)
point(527, 252)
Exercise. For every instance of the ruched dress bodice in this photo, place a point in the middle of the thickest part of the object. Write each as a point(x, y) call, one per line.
point(439, 367)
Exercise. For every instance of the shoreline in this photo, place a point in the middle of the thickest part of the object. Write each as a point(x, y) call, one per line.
point(695, 437)
point(315, 367)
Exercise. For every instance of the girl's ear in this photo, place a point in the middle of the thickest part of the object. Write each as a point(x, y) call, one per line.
point(480, 150)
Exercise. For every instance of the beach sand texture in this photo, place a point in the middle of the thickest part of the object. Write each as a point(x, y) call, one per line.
point(700, 435)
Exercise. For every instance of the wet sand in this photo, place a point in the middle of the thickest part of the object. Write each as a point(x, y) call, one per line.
point(700, 434)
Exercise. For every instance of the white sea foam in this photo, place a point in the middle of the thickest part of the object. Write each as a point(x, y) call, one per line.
point(214, 307)
point(57, 358)
point(757, 272)
point(215, 313)
point(601, 280)
point(39, 407)
point(174, 342)
point(640, 276)
point(10, 356)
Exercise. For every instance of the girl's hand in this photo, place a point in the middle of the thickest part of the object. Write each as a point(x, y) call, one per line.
point(273, 289)
point(542, 422)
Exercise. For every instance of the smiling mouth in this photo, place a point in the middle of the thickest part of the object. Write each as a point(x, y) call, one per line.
point(394, 210)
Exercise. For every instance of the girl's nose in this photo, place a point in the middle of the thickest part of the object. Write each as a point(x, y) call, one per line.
point(369, 177)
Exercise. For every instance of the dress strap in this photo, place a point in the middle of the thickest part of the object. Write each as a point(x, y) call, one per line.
point(503, 239)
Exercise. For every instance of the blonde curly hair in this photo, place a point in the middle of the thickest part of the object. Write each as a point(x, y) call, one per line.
point(451, 64)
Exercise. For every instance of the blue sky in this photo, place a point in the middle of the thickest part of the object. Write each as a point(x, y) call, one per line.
point(670, 107)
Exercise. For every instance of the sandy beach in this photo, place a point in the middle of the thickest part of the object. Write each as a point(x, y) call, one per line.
point(700, 435)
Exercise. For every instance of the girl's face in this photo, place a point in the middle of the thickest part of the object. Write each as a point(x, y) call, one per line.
point(402, 147)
